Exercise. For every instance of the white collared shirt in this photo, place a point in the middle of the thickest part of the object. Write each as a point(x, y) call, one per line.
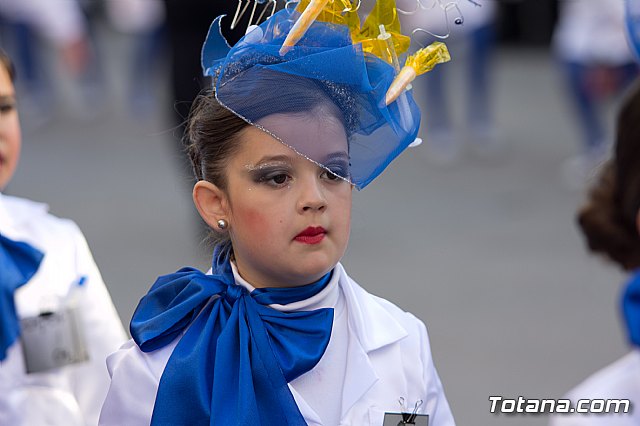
point(385, 353)
point(69, 395)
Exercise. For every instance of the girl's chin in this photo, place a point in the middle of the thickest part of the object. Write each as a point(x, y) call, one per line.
point(313, 272)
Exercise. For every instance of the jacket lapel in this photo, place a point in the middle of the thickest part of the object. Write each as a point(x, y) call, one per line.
point(371, 327)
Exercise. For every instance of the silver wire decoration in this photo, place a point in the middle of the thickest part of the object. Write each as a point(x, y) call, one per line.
point(447, 8)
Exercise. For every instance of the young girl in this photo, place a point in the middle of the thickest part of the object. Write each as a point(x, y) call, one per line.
point(57, 322)
point(610, 222)
point(276, 332)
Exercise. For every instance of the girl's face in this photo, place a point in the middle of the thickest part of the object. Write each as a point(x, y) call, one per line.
point(289, 219)
point(9, 129)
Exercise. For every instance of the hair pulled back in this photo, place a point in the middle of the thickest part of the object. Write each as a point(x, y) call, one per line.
point(609, 217)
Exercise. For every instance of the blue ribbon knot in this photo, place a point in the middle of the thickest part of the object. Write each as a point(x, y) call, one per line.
point(234, 292)
point(235, 355)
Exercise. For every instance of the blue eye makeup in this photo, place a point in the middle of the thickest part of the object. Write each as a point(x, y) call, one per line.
point(272, 175)
point(339, 169)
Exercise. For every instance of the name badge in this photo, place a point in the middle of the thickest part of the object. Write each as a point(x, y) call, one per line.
point(52, 340)
point(400, 419)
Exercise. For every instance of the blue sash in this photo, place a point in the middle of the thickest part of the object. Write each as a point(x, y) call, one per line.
point(18, 263)
point(236, 355)
point(631, 308)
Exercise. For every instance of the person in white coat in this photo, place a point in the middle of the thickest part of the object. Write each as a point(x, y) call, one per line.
point(277, 332)
point(590, 44)
point(57, 320)
point(610, 221)
point(468, 27)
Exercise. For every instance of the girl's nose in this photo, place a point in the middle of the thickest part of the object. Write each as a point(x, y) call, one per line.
point(312, 197)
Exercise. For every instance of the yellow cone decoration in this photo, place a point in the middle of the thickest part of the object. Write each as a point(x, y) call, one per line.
point(343, 12)
point(422, 61)
point(303, 23)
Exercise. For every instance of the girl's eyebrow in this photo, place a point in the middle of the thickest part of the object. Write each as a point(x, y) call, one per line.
point(340, 155)
point(7, 98)
point(275, 158)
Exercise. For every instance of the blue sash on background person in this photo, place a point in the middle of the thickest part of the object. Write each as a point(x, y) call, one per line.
point(18, 263)
point(236, 355)
point(631, 308)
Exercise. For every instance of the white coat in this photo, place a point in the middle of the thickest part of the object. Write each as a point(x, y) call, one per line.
point(70, 395)
point(592, 32)
point(620, 380)
point(391, 358)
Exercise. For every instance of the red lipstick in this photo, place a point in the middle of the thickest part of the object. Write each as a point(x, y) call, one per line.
point(311, 235)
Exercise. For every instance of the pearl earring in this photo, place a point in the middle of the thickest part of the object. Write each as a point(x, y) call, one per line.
point(222, 224)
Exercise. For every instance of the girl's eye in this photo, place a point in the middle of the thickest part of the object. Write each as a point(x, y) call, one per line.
point(279, 179)
point(275, 179)
point(335, 173)
point(7, 108)
point(331, 176)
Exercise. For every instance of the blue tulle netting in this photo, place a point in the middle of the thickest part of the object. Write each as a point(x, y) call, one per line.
point(324, 77)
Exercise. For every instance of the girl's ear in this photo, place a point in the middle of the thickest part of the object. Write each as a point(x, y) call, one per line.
point(211, 202)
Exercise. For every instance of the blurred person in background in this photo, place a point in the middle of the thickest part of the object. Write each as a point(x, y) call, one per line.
point(610, 222)
point(61, 24)
point(57, 321)
point(142, 21)
point(188, 22)
point(590, 44)
point(471, 40)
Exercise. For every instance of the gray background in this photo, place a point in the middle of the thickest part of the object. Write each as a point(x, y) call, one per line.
point(485, 251)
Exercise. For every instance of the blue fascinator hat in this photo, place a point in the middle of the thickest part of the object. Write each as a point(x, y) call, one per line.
point(323, 78)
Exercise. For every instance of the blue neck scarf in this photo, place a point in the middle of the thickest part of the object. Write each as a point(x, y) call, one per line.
point(236, 356)
point(631, 308)
point(18, 263)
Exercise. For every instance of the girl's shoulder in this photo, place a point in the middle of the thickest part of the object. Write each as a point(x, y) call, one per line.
point(619, 379)
point(135, 376)
point(24, 212)
point(378, 313)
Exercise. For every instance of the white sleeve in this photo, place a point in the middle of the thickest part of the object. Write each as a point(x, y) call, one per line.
point(103, 334)
point(133, 389)
point(60, 21)
point(436, 401)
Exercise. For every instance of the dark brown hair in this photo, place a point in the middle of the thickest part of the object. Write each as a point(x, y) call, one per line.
point(609, 217)
point(211, 138)
point(8, 65)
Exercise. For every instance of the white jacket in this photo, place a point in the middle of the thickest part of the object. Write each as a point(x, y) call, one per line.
point(70, 395)
point(60, 21)
point(620, 380)
point(391, 358)
point(590, 32)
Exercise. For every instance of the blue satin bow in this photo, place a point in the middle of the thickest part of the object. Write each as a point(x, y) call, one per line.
point(233, 362)
point(631, 308)
point(18, 263)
